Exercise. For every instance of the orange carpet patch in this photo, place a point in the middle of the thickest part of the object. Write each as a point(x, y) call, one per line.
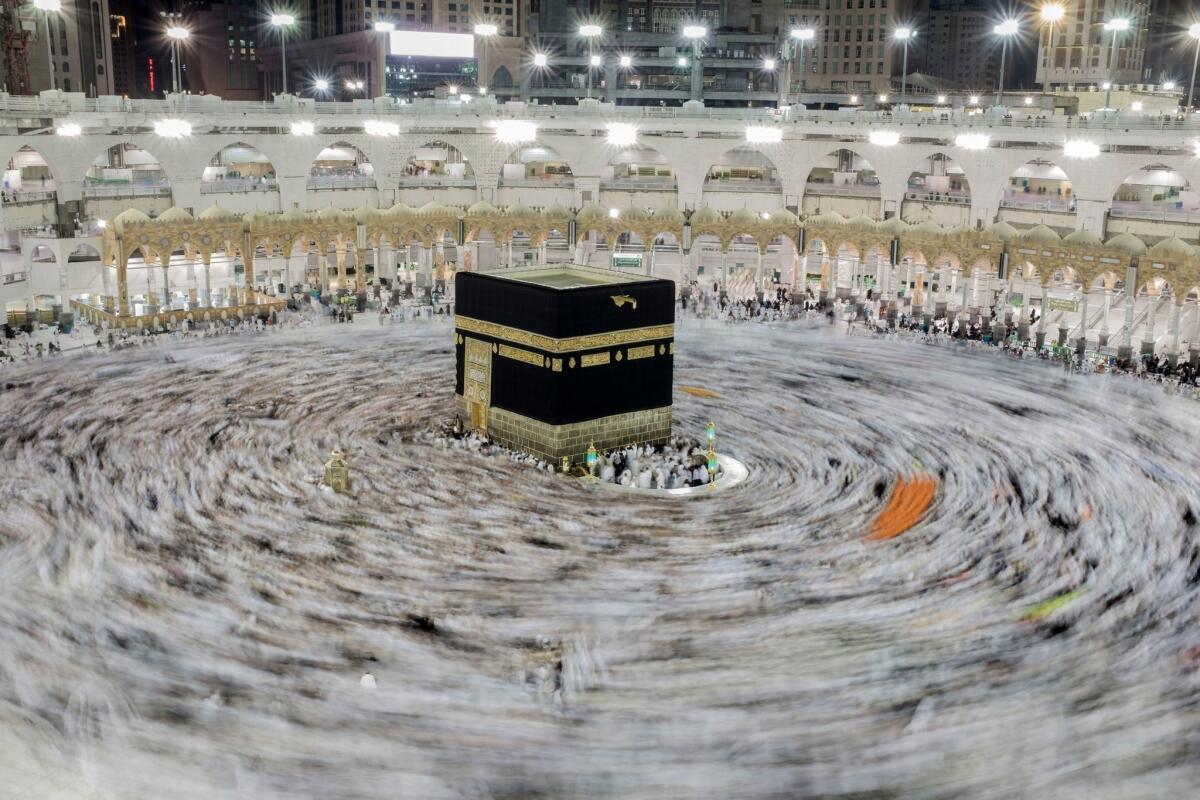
point(699, 391)
point(909, 501)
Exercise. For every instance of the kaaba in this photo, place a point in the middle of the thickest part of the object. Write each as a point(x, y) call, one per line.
point(550, 360)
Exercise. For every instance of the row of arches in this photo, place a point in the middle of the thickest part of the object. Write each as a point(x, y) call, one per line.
point(1155, 190)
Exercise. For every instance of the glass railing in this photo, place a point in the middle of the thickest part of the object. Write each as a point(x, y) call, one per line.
point(547, 182)
point(646, 184)
point(1153, 211)
point(238, 185)
point(341, 182)
point(739, 185)
point(22, 197)
point(445, 181)
point(155, 189)
point(1037, 202)
point(843, 189)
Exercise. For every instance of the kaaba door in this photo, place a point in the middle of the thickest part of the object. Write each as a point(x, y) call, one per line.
point(477, 382)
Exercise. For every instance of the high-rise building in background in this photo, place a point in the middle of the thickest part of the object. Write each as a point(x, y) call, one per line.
point(1169, 48)
point(958, 45)
point(79, 53)
point(854, 50)
point(339, 47)
point(124, 46)
point(1082, 49)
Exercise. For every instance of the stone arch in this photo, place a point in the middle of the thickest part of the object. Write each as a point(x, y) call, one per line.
point(743, 165)
point(127, 155)
point(34, 174)
point(84, 252)
point(1155, 189)
point(502, 77)
point(438, 161)
point(542, 164)
point(42, 254)
point(957, 183)
point(241, 164)
point(640, 164)
point(1039, 184)
point(341, 165)
point(52, 164)
point(842, 180)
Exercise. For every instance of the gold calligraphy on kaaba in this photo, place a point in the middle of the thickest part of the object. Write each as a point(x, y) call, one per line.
point(517, 354)
point(569, 345)
point(635, 353)
point(594, 359)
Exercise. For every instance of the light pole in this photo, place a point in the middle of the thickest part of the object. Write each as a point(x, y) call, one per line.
point(1115, 26)
point(1194, 32)
point(485, 31)
point(48, 7)
point(590, 32)
point(283, 22)
point(177, 35)
point(903, 35)
point(1006, 30)
point(1050, 14)
point(386, 29)
point(696, 34)
point(802, 36)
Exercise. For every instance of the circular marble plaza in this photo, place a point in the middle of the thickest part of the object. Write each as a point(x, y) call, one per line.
point(186, 614)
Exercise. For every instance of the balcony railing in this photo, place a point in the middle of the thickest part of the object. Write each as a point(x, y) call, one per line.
point(639, 184)
point(957, 197)
point(14, 277)
point(156, 189)
point(549, 182)
point(436, 181)
point(870, 190)
point(238, 185)
point(1037, 202)
point(1152, 211)
point(736, 185)
point(21, 197)
point(341, 182)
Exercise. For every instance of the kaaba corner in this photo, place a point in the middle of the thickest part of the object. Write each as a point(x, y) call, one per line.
point(550, 360)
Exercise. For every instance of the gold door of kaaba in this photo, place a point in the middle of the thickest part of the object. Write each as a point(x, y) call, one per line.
point(477, 382)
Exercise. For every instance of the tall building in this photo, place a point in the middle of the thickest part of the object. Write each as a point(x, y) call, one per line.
point(231, 28)
point(958, 45)
point(79, 52)
point(1082, 50)
point(124, 47)
point(339, 44)
point(853, 50)
point(1169, 49)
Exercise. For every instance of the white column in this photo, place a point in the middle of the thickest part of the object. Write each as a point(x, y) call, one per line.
point(1130, 297)
point(1176, 313)
point(1083, 322)
point(1150, 320)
